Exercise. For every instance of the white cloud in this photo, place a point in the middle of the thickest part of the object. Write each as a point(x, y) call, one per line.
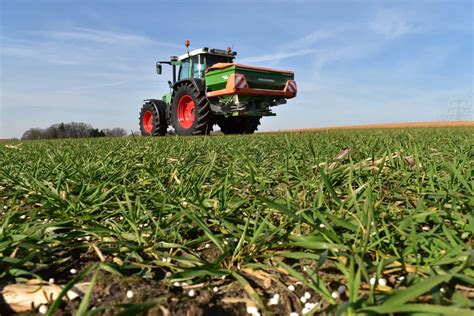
point(276, 56)
point(300, 46)
point(82, 46)
point(104, 37)
point(311, 39)
point(392, 23)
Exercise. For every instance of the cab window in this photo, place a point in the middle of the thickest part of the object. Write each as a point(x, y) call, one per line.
point(198, 66)
point(184, 69)
point(211, 60)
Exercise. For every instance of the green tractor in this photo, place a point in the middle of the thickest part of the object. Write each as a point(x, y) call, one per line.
point(208, 88)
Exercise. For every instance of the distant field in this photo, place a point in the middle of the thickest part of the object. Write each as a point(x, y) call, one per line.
point(341, 222)
point(388, 125)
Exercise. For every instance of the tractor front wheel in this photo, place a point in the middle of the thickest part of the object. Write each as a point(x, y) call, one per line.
point(190, 111)
point(153, 118)
point(239, 124)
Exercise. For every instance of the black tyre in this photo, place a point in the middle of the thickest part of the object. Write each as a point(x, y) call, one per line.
point(190, 111)
point(153, 120)
point(239, 124)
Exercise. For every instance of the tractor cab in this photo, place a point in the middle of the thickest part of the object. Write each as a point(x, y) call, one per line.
point(194, 64)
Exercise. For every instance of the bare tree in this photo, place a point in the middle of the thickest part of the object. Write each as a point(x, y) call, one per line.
point(115, 132)
point(68, 130)
point(33, 133)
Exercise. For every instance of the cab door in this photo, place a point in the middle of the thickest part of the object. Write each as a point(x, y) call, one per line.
point(185, 69)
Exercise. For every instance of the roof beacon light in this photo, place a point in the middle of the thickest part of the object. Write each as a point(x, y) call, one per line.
point(186, 43)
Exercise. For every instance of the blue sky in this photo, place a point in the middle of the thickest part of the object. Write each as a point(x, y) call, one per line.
point(355, 61)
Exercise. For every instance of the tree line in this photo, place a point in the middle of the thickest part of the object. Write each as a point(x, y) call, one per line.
point(72, 130)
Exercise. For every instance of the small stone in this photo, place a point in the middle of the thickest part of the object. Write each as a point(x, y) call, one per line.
point(88, 238)
point(442, 290)
point(207, 246)
point(294, 314)
point(215, 289)
point(43, 309)
point(372, 281)
point(129, 294)
point(176, 284)
point(303, 299)
point(291, 287)
point(73, 271)
point(273, 301)
point(322, 225)
point(401, 278)
point(341, 289)
point(276, 296)
point(51, 280)
point(253, 310)
point(192, 293)
point(425, 228)
point(335, 295)
point(307, 295)
point(382, 282)
point(23, 217)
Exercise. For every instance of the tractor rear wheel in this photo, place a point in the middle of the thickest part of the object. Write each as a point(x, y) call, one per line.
point(239, 124)
point(153, 118)
point(190, 111)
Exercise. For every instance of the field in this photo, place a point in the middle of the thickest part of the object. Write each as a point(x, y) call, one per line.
point(333, 222)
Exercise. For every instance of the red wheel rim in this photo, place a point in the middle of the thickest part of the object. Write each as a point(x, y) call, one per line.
point(186, 111)
point(147, 121)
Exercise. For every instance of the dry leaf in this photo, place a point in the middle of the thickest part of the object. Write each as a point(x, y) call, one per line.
point(23, 297)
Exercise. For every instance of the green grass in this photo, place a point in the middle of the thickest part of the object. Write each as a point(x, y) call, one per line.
point(400, 203)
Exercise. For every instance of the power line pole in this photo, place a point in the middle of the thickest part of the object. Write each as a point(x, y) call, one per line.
point(460, 110)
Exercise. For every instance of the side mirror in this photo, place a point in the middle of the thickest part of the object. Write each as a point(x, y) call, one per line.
point(158, 68)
